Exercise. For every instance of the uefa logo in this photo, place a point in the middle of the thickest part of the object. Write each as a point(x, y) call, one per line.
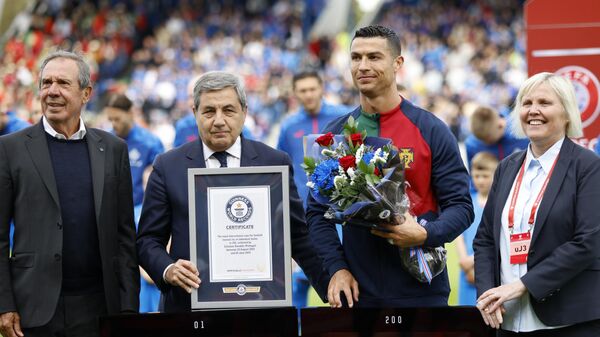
point(587, 90)
point(239, 209)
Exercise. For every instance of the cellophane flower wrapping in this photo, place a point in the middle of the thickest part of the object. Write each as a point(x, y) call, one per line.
point(361, 180)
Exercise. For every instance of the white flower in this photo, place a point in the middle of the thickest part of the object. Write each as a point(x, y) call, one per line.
point(327, 152)
point(359, 153)
point(378, 158)
point(351, 173)
point(310, 184)
point(339, 182)
point(340, 149)
point(375, 156)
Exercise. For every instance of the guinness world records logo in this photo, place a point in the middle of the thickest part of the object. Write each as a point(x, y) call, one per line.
point(239, 209)
point(587, 92)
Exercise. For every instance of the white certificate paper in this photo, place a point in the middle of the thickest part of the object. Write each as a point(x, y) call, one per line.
point(239, 229)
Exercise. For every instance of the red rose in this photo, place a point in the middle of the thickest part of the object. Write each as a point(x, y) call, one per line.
point(356, 139)
point(325, 140)
point(347, 162)
point(377, 172)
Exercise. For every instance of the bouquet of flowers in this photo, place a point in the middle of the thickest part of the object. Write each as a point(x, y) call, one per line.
point(361, 180)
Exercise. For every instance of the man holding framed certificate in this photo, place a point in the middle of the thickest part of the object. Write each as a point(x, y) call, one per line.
point(220, 109)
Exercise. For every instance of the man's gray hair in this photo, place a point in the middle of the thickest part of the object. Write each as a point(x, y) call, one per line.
point(84, 68)
point(218, 80)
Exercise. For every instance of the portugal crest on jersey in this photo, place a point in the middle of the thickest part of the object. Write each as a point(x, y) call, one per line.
point(407, 156)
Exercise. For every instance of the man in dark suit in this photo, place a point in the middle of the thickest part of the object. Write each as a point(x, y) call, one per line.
point(220, 109)
point(68, 189)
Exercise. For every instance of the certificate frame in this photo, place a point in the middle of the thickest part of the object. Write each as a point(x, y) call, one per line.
point(239, 230)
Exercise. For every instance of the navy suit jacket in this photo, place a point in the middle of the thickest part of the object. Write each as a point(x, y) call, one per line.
point(165, 213)
point(563, 277)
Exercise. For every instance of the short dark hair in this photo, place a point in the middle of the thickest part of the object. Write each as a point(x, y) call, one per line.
point(483, 121)
point(305, 74)
point(119, 101)
point(380, 31)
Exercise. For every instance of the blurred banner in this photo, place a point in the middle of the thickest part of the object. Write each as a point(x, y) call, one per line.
point(564, 37)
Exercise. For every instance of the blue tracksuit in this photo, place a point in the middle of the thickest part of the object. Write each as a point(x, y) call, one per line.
point(143, 147)
point(14, 124)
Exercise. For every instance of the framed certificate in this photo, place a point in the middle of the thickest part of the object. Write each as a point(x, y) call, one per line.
point(240, 236)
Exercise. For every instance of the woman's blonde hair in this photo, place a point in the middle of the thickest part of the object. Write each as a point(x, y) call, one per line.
point(563, 89)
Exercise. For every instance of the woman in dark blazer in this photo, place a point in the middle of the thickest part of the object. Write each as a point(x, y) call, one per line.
point(537, 249)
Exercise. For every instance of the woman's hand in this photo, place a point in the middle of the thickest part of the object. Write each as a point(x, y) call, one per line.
point(492, 318)
point(490, 303)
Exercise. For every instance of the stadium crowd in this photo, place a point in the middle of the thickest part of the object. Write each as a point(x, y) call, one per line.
point(458, 54)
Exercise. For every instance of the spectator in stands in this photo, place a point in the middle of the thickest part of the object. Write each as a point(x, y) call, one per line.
point(143, 148)
point(368, 264)
point(482, 171)
point(491, 133)
point(537, 265)
point(313, 115)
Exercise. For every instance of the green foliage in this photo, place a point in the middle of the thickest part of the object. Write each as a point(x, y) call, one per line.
point(309, 165)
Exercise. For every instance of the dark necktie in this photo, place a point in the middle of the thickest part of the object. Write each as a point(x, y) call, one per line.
point(221, 157)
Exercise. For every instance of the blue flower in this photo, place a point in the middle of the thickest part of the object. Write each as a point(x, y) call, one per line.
point(367, 157)
point(324, 174)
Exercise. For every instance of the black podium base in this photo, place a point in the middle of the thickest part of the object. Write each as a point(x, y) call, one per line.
point(406, 322)
point(315, 322)
point(222, 323)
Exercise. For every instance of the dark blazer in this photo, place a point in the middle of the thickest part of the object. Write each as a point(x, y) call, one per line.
point(165, 213)
point(563, 277)
point(30, 281)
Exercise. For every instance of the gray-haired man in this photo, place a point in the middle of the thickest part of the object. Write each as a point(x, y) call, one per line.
point(220, 109)
point(68, 189)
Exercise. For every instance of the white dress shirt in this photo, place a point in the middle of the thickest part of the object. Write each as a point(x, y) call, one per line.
point(519, 316)
point(79, 134)
point(234, 155)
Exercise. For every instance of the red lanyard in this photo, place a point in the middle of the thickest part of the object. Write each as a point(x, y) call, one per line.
point(513, 200)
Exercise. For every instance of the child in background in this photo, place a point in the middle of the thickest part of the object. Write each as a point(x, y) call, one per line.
point(482, 172)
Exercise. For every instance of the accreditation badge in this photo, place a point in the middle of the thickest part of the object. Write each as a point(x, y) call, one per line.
point(519, 247)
